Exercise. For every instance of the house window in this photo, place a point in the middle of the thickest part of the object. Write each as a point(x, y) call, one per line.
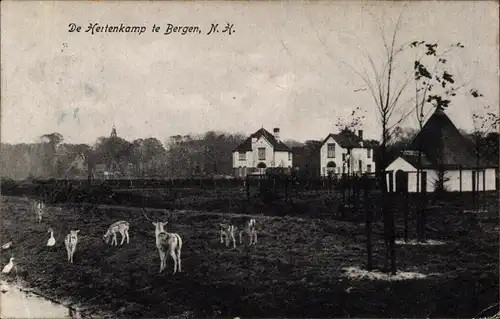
point(368, 168)
point(343, 157)
point(330, 150)
point(262, 153)
point(243, 156)
point(360, 164)
point(289, 156)
point(368, 153)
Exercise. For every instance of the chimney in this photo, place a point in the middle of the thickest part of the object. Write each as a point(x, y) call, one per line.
point(276, 133)
point(254, 139)
point(360, 134)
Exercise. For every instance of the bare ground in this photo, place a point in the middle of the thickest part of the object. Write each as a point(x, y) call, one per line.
point(295, 270)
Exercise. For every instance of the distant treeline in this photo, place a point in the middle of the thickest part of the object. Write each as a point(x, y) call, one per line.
point(207, 155)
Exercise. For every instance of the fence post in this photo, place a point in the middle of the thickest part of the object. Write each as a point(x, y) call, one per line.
point(247, 183)
point(355, 194)
point(274, 185)
point(286, 190)
point(484, 186)
point(368, 226)
point(423, 213)
point(344, 186)
point(460, 178)
point(405, 209)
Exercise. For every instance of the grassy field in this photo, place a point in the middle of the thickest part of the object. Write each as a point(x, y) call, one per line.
point(295, 270)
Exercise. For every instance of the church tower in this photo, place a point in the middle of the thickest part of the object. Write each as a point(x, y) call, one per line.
point(113, 131)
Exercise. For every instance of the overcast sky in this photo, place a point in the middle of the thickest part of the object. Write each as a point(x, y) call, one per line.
point(287, 65)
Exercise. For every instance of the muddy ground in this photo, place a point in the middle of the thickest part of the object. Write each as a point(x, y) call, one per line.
point(295, 270)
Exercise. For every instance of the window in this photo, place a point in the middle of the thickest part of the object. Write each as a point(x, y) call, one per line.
point(243, 156)
point(360, 164)
point(343, 157)
point(289, 156)
point(368, 153)
point(330, 150)
point(368, 168)
point(262, 153)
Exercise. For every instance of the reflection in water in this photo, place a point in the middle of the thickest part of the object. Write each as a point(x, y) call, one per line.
point(16, 303)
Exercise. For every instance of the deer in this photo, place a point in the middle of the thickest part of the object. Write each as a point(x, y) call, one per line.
point(70, 241)
point(119, 226)
point(167, 243)
point(38, 209)
point(228, 230)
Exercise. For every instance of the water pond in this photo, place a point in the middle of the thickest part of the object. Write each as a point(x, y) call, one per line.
point(16, 303)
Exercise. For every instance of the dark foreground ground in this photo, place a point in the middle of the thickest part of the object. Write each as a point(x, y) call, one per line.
point(295, 270)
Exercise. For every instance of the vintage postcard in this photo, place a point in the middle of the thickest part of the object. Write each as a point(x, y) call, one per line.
point(249, 159)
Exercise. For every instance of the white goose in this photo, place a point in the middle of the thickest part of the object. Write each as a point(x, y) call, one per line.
point(51, 241)
point(9, 266)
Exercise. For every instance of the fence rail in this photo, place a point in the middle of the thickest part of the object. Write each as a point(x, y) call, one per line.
point(293, 181)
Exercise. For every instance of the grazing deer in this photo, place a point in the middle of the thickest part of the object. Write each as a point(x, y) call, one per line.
point(251, 231)
point(167, 243)
point(70, 241)
point(119, 226)
point(227, 230)
point(38, 209)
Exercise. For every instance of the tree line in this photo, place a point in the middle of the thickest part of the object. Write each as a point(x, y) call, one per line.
point(204, 155)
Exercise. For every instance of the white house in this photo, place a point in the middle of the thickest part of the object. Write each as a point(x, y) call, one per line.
point(346, 152)
point(447, 157)
point(260, 151)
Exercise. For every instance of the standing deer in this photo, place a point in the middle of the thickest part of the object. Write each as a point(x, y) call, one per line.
point(38, 209)
point(249, 229)
point(227, 231)
point(119, 226)
point(71, 241)
point(167, 243)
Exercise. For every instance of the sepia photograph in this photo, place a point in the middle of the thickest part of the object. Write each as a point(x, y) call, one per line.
point(249, 159)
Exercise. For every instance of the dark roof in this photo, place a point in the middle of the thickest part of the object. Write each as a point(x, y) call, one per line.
point(443, 144)
point(277, 145)
point(346, 139)
point(412, 158)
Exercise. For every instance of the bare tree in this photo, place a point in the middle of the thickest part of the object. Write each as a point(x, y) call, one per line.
point(434, 87)
point(49, 145)
point(348, 126)
point(483, 124)
point(386, 84)
point(386, 89)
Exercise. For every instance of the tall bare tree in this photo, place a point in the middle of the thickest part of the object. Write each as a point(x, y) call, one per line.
point(484, 123)
point(435, 86)
point(49, 144)
point(386, 89)
point(385, 81)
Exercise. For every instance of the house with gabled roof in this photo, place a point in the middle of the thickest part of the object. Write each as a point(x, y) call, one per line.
point(346, 152)
point(260, 151)
point(447, 159)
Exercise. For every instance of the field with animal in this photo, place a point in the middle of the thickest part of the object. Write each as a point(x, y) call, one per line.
point(296, 266)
